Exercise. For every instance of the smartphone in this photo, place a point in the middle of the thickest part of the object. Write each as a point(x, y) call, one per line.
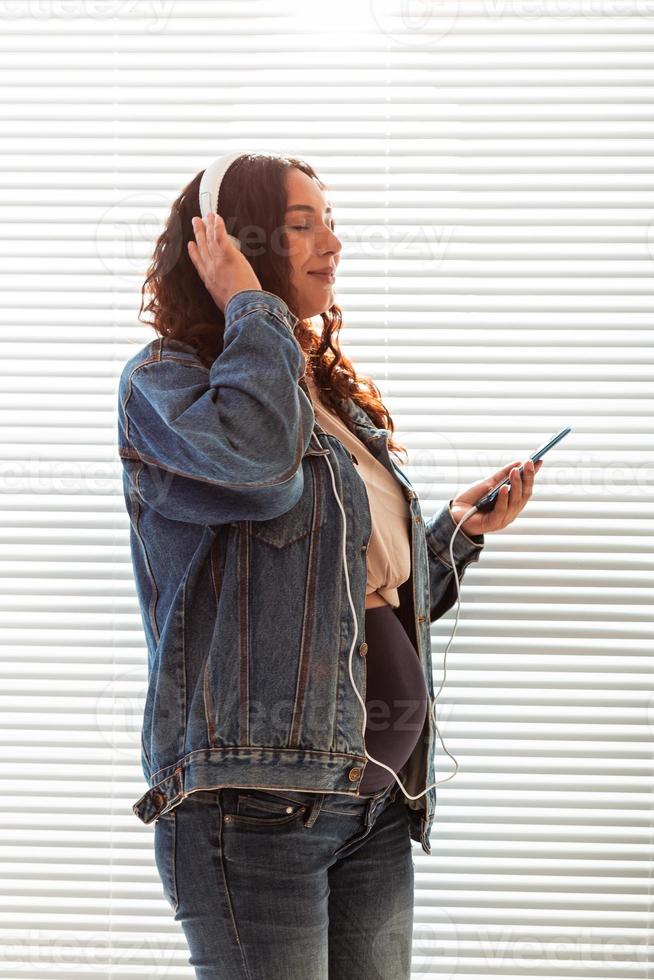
point(487, 502)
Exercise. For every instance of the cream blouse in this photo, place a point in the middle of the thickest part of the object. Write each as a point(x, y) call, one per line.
point(389, 548)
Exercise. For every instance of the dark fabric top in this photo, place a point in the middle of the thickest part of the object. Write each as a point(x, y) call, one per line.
point(397, 699)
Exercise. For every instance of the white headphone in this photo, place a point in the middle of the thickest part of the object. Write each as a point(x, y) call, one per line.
point(211, 181)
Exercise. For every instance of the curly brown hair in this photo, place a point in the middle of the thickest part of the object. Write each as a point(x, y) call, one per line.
point(253, 194)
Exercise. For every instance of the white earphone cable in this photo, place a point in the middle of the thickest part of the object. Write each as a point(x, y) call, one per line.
point(433, 701)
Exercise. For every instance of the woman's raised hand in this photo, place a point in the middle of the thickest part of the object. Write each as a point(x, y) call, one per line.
point(222, 267)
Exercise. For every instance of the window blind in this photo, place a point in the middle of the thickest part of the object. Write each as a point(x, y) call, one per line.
point(490, 166)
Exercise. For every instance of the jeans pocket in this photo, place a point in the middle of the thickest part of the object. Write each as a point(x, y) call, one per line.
point(165, 847)
point(256, 806)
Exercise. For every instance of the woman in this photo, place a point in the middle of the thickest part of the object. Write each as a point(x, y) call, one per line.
point(271, 532)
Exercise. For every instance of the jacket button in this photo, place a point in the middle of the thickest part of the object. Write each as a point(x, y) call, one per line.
point(353, 774)
point(157, 799)
point(418, 520)
point(363, 648)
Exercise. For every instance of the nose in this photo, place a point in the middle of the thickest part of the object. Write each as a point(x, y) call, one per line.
point(332, 243)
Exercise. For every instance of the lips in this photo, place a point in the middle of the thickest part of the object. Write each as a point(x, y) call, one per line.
point(327, 276)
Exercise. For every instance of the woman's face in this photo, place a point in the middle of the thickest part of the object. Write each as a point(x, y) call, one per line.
point(312, 244)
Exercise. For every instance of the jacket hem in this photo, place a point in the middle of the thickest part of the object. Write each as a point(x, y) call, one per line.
point(260, 767)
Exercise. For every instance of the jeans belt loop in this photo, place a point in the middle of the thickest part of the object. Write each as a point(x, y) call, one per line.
point(371, 809)
point(375, 804)
point(315, 809)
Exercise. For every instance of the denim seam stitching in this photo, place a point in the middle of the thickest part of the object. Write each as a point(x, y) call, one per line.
point(182, 685)
point(195, 364)
point(209, 705)
point(307, 616)
point(327, 754)
point(174, 862)
point(244, 641)
point(215, 575)
point(154, 596)
point(229, 895)
point(260, 309)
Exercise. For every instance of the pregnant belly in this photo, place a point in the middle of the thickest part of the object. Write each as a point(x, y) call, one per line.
point(397, 698)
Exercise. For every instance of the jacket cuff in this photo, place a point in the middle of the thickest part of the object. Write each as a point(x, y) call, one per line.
point(247, 300)
point(477, 539)
point(439, 534)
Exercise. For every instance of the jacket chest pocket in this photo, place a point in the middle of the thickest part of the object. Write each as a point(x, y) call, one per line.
point(305, 517)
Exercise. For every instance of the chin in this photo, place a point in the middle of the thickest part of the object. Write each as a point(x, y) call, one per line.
point(310, 311)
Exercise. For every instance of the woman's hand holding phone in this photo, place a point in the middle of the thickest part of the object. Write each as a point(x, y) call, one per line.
point(222, 267)
point(498, 503)
point(508, 504)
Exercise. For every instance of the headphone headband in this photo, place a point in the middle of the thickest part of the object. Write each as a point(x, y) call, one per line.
point(211, 180)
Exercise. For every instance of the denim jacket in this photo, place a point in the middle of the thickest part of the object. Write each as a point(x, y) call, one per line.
point(236, 541)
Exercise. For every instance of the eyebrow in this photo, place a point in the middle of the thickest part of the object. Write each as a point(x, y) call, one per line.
point(305, 207)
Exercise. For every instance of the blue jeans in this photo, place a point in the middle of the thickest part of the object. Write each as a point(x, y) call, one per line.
point(290, 885)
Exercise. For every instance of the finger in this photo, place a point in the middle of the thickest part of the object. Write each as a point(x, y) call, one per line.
point(200, 232)
point(217, 232)
point(502, 504)
point(502, 474)
point(214, 229)
point(516, 497)
point(196, 259)
point(210, 236)
point(213, 244)
point(221, 231)
point(528, 473)
point(501, 507)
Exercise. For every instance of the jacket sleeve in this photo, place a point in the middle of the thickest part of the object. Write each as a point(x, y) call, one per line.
point(442, 586)
point(225, 443)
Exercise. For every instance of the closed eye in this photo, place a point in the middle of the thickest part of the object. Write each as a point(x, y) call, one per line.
point(308, 227)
